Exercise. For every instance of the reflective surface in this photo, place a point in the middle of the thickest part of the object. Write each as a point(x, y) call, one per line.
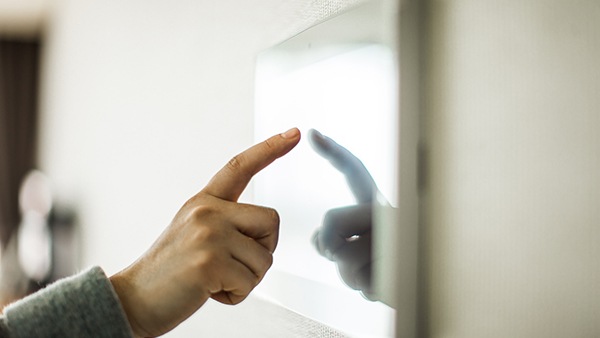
point(339, 78)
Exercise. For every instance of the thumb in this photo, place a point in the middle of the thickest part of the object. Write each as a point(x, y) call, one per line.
point(232, 179)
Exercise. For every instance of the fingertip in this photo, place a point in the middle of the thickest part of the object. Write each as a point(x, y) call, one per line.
point(292, 133)
point(316, 136)
point(313, 133)
point(289, 140)
point(317, 140)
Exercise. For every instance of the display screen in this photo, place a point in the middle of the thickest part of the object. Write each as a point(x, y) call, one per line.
point(345, 87)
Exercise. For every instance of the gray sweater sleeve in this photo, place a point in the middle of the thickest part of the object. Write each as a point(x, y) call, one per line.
point(84, 305)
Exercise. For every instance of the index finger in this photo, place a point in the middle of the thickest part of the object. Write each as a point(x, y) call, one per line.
point(359, 179)
point(232, 179)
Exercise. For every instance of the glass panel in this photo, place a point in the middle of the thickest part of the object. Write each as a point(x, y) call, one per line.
point(339, 78)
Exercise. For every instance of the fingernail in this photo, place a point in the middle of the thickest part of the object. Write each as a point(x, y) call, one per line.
point(291, 133)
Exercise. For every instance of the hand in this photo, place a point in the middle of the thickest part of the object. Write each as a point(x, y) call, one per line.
point(345, 236)
point(214, 247)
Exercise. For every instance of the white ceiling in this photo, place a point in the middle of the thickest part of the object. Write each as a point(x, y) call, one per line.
point(22, 17)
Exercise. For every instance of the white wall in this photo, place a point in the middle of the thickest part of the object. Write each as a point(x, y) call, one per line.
point(513, 189)
point(142, 101)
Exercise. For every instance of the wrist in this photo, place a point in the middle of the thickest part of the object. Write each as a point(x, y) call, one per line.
point(126, 293)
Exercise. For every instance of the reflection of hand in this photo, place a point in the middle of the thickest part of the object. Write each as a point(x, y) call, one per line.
point(214, 247)
point(345, 236)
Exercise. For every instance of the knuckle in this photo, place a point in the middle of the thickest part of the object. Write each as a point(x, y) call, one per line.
point(263, 260)
point(263, 266)
point(241, 291)
point(238, 167)
point(200, 213)
point(274, 218)
point(328, 226)
point(253, 283)
point(235, 163)
point(330, 217)
point(268, 262)
point(206, 234)
point(211, 262)
point(205, 261)
point(240, 297)
point(269, 145)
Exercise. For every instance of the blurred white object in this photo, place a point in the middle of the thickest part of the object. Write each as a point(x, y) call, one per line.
point(34, 246)
point(35, 194)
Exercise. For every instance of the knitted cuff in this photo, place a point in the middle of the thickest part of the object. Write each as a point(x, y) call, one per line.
point(84, 305)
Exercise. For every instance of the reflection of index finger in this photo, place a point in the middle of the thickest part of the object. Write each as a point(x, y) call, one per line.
point(231, 180)
point(358, 177)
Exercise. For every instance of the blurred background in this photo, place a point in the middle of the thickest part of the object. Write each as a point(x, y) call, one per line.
point(127, 108)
